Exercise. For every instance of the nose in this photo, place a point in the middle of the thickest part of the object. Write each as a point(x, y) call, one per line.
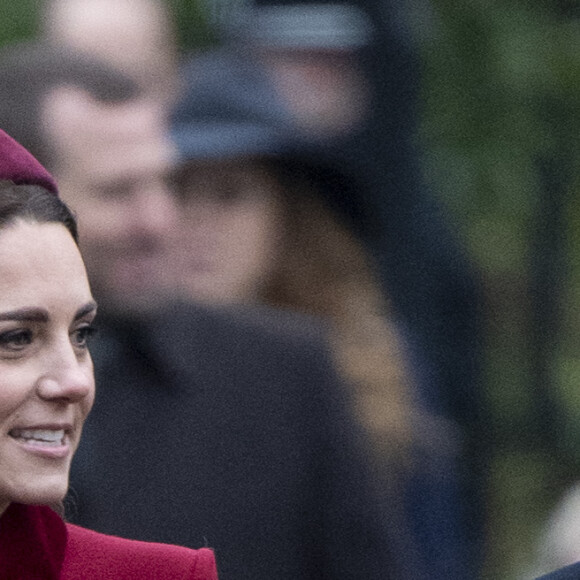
point(155, 212)
point(67, 376)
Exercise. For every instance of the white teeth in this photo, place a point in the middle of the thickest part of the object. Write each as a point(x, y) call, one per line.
point(42, 436)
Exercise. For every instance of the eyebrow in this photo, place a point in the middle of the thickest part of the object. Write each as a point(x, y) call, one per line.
point(41, 315)
point(88, 308)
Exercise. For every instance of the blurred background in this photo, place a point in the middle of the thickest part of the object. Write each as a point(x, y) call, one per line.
point(499, 127)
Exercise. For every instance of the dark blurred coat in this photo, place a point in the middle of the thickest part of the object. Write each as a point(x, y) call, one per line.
point(230, 109)
point(568, 573)
point(432, 285)
point(229, 431)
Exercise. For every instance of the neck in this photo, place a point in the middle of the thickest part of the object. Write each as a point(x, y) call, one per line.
point(3, 506)
point(32, 542)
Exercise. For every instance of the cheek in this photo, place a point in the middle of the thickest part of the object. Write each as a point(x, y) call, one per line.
point(104, 221)
point(15, 389)
point(85, 203)
point(87, 403)
point(258, 224)
point(254, 242)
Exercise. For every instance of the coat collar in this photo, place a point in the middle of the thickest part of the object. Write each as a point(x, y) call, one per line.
point(32, 543)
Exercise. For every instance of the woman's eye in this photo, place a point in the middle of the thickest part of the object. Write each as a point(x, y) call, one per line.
point(82, 335)
point(15, 339)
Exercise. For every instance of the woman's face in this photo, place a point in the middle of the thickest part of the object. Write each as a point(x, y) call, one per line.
point(230, 233)
point(46, 372)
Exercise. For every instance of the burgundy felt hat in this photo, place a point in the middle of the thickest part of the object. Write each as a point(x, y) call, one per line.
point(20, 167)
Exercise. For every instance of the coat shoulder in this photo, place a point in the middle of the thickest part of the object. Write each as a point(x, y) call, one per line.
point(93, 555)
point(568, 573)
point(256, 321)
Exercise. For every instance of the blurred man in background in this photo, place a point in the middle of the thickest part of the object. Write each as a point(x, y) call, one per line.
point(226, 427)
point(108, 147)
point(135, 36)
point(112, 165)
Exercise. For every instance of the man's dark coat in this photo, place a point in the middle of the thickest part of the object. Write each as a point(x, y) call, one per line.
point(229, 430)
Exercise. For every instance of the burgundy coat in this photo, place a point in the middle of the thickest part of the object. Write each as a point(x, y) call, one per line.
point(35, 544)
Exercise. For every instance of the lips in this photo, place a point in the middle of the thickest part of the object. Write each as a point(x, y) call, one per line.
point(41, 437)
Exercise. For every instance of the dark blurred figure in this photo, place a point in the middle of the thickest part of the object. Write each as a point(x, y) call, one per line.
point(264, 222)
point(432, 286)
point(227, 427)
point(312, 54)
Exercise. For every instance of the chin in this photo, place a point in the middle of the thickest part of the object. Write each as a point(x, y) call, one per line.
point(43, 492)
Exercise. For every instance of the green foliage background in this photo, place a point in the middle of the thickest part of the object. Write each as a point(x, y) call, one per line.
point(17, 19)
point(500, 121)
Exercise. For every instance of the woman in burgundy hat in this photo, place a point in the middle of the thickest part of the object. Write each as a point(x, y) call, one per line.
point(47, 390)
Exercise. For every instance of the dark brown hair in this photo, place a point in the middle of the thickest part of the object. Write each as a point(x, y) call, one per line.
point(35, 204)
point(325, 270)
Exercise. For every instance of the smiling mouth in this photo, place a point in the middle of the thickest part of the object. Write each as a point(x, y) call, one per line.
point(40, 437)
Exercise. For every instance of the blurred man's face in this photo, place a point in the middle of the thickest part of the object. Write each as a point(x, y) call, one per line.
point(111, 168)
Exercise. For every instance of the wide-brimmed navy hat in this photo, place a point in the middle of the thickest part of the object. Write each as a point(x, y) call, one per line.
point(230, 109)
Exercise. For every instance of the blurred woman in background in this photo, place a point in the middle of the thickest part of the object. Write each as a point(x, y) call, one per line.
point(268, 219)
